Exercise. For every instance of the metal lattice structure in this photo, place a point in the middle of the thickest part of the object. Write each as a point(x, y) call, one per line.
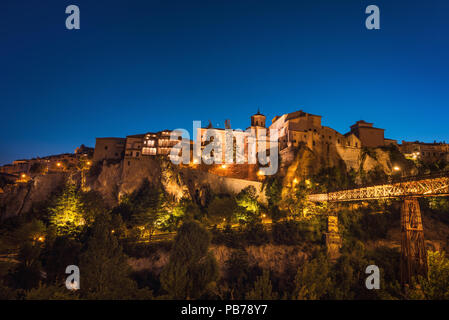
point(416, 187)
point(413, 248)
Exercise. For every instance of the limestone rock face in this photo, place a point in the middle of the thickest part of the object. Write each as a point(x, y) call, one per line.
point(277, 258)
point(107, 182)
point(19, 198)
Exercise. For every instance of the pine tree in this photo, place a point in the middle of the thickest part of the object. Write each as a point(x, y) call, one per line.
point(104, 271)
point(263, 289)
point(66, 215)
point(192, 269)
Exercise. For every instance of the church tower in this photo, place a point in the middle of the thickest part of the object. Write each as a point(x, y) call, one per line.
point(258, 120)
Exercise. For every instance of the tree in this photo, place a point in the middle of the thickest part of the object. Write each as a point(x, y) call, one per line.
point(58, 254)
point(247, 201)
point(31, 231)
point(313, 280)
point(221, 209)
point(67, 214)
point(104, 271)
point(28, 272)
point(50, 292)
point(436, 285)
point(263, 289)
point(192, 269)
point(147, 210)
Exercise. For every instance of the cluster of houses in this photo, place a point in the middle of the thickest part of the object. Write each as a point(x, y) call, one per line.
point(23, 169)
point(294, 129)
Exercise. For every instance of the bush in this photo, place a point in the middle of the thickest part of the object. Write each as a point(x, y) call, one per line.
point(256, 234)
point(286, 232)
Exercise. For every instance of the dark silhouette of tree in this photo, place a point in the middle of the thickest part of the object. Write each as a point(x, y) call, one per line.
point(263, 290)
point(192, 269)
point(104, 271)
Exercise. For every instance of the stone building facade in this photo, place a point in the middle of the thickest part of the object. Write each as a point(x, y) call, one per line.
point(109, 149)
point(426, 152)
point(369, 136)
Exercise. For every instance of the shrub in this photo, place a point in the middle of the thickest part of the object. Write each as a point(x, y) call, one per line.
point(286, 232)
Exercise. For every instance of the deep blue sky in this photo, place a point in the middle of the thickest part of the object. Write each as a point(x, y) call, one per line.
point(142, 65)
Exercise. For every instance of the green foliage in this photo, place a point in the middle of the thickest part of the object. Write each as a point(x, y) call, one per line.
point(51, 292)
point(364, 224)
point(436, 285)
point(192, 269)
point(249, 206)
point(33, 230)
point(254, 233)
point(313, 280)
point(92, 205)
point(221, 209)
point(291, 232)
point(286, 232)
point(67, 213)
point(273, 191)
point(57, 255)
point(239, 274)
point(175, 214)
point(104, 268)
point(144, 209)
point(263, 289)
point(333, 178)
point(28, 272)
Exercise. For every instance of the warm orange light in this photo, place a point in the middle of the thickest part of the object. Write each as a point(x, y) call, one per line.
point(23, 175)
point(223, 166)
point(195, 161)
point(396, 168)
point(58, 164)
point(264, 215)
point(89, 163)
point(41, 239)
point(260, 172)
point(295, 181)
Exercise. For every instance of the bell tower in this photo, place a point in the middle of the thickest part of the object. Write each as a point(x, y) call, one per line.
point(258, 120)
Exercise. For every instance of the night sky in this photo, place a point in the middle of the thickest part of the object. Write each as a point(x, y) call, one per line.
point(139, 66)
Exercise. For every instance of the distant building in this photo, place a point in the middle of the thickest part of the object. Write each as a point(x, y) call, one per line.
point(237, 137)
point(149, 144)
point(83, 150)
point(300, 127)
point(426, 152)
point(369, 136)
point(109, 149)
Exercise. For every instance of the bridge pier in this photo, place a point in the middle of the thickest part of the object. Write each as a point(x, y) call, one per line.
point(413, 249)
point(333, 239)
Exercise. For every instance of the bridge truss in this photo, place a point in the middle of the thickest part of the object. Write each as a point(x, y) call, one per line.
point(421, 187)
point(413, 249)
